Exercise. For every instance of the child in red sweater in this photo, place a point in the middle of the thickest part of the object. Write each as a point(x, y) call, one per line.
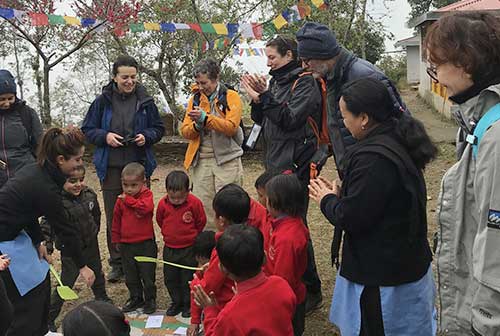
point(132, 234)
point(231, 205)
point(287, 250)
point(262, 305)
point(181, 218)
point(202, 249)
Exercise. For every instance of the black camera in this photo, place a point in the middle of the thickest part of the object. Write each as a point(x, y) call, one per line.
point(128, 140)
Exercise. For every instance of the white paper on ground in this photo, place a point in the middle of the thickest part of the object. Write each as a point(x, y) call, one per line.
point(154, 321)
point(181, 331)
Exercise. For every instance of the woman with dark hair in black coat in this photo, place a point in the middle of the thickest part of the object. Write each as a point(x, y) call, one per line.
point(385, 284)
point(35, 191)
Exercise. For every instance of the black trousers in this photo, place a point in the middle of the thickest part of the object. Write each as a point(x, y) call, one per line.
point(70, 273)
point(111, 188)
point(6, 309)
point(176, 279)
point(31, 310)
point(299, 319)
point(310, 277)
point(140, 277)
point(372, 323)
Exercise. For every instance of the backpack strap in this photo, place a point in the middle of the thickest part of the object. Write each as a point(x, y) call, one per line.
point(482, 126)
point(25, 115)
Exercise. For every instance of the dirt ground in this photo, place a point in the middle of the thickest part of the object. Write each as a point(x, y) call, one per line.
point(321, 231)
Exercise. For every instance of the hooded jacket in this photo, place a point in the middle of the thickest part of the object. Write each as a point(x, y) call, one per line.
point(283, 112)
point(469, 234)
point(97, 124)
point(17, 147)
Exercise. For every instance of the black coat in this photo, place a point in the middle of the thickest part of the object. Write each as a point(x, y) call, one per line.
point(382, 211)
point(34, 192)
point(349, 68)
point(289, 139)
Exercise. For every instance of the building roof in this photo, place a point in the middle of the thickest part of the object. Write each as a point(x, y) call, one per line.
point(464, 5)
point(410, 41)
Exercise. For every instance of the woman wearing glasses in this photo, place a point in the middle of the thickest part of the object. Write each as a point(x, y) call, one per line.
point(464, 52)
point(283, 109)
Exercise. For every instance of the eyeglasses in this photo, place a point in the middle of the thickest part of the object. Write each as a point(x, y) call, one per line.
point(432, 72)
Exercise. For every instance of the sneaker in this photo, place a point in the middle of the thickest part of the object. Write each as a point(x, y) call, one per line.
point(52, 327)
point(104, 298)
point(314, 301)
point(173, 310)
point(115, 275)
point(132, 304)
point(149, 306)
point(186, 313)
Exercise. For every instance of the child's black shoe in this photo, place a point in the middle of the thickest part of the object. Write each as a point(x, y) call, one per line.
point(132, 304)
point(173, 310)
point(52, 327)
point(149, 306)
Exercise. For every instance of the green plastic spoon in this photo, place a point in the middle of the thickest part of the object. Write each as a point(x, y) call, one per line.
point(64, 292)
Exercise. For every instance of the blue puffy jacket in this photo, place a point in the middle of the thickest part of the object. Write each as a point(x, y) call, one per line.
point(97, 122)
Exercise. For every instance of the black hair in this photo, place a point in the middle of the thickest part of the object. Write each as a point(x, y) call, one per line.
point(371, 96)
point(133, 169)
point(177, 180)
point(124, 60)
point(79, 169)
point(95, 318)
point(261, 181)
point(233, 203)
point(282, 44)
point(285, 194)
point(207, 66)
point(241, 250)
point(204, 244)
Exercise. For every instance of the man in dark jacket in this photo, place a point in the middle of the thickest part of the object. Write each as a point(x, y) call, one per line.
point(123, 122)
point(320, 53)
point(20, 129)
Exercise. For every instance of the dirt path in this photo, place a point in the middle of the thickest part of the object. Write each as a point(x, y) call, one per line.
point(321, 231)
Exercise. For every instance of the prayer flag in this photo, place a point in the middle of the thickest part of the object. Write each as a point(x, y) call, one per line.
point(220, 28)
point(279, 22)
point(7, 13)
point(73, 21)
point(136, 27)
point(39, 19)
point(207, 28)
point(152, 26)
point(56, 19)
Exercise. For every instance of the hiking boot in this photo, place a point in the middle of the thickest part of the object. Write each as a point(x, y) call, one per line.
point(149, 306)
point(132, 304)
point(186, 313)
point(52, 326)
point(115, 275)
point(173, 310)
point(314, 301)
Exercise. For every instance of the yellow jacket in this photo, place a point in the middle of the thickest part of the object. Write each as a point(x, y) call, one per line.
point(223, 126)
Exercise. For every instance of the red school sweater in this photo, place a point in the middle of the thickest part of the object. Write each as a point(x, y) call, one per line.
point(133, 218)
point(180, 224)
point(216, 281)
point(257, 215)
point(253, 312)
point(287, 252)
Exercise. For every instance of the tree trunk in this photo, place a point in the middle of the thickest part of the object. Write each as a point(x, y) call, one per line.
point(363, 29)
point(352, 15)
point(45, 115)
point(38, 81)
point(19, 77)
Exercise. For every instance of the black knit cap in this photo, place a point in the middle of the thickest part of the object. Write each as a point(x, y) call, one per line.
point(316, 41)
point(7, 82)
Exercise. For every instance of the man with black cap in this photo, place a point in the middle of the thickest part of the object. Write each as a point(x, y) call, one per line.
point(321, 54)
point(20, 129)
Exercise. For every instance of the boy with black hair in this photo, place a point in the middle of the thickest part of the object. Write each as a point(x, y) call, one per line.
point(287, 241)
point(231, 205)
point(82, 211)
point(260, 185)
point(133, 235)
point(181, 217)
point(203, 246)
point(241, 253)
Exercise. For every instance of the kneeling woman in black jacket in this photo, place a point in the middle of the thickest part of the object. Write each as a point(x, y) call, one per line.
point(35, 191)
point(385, 284)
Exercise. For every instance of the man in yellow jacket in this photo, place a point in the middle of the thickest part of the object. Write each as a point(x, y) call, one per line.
point(212, 126)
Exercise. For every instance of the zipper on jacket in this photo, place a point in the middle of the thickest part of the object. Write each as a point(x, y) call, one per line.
point(4, 151)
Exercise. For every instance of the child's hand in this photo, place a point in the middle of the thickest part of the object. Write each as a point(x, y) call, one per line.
point(122, 196)
point(4, 262)
point(193, 330)
point(88, 275)
point(202, 299)
point(43, 254)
